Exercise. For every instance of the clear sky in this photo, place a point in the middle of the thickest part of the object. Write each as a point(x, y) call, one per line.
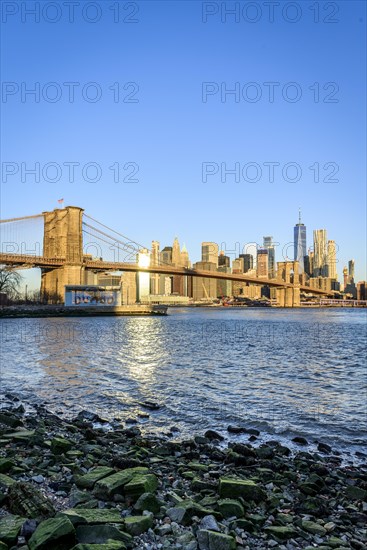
point(166, 124)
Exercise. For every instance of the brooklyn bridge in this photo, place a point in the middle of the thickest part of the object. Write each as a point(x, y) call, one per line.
point(72, 244)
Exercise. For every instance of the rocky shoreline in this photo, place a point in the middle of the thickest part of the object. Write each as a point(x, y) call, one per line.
point(76, 485)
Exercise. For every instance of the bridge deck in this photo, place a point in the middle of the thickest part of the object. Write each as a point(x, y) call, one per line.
point(95, 265)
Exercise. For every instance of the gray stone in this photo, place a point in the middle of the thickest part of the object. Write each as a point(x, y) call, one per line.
point(209, 523)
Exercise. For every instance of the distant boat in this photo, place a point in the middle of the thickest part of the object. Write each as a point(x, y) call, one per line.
point(158, 309)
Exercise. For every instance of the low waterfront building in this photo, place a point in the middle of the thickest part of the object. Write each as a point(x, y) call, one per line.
point(92, 296)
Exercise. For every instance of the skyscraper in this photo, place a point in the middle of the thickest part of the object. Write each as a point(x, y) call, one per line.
point(345, 276)
point(331, 259)
point(351, 271)
point(300, 243)
point(320, 268)
point(165, 284)
point(177, 280)
point(166, 255)
point(262, 263)
point(176, 253)
point(238, 265)
point(185, 260)
point(154, 260)
point(223, 260)
point(248, 262)
point(311, 259)
point(209, 252)
point(269, 246)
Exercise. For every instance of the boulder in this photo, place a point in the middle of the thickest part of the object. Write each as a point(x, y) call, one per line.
point(98, 534)
point(88, 480)
point(140, 484)
point(109, 545)
point(56, 533)
point(314, 528)
point(59, 445)
point(115, 483)
point(10, 526)
point(136, 525)
point(91, 516)
point(27, 501)
point(230, 507)
point(246, 489)
point(281, 533)
point(147, 501)
point(210, 540)
point(213, 435)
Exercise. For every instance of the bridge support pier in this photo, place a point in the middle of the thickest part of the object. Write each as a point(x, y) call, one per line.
point(280, 296)
point(53, 282)
point(288, 272)
point(62, 239)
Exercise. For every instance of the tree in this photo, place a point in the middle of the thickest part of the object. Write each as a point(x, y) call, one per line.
point(10, 282)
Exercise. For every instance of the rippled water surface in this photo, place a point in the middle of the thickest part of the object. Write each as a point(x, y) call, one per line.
point(286, 372)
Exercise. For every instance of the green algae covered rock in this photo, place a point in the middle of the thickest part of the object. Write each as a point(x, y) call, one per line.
point(229, 507)
point(247, 489)
point(136, 525)
point(147, 501)
point(355, 493)
point(5, 465)
point(314, 528)
point(281, 533)
point(59, 445)
point(10, 420)
point(140, 484)
point(27, 501)
point(88, 480)
point(100, 534)
point(25, 436)
point(212, 540)
point(56, 533)
point(6, 482)
point(10, 526)
point(115, 483)
point(109, 545)
point(91, 516)
point(185, 510)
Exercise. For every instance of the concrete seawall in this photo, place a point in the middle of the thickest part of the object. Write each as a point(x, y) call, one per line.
point(62, 311)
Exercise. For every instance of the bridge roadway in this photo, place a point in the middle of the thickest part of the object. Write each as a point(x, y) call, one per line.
point(97, 265)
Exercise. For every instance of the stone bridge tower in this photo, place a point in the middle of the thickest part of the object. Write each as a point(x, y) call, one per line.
point(288, 272)
point(62, 239)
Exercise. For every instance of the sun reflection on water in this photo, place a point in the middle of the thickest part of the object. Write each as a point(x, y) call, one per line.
point(145, 349)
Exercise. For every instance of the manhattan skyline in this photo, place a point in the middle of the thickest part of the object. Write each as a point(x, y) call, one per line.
point(277, 251)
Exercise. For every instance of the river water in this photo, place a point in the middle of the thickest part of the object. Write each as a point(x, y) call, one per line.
point(285, 372)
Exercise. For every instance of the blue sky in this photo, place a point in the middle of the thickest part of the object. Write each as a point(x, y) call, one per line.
point(169, 132)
